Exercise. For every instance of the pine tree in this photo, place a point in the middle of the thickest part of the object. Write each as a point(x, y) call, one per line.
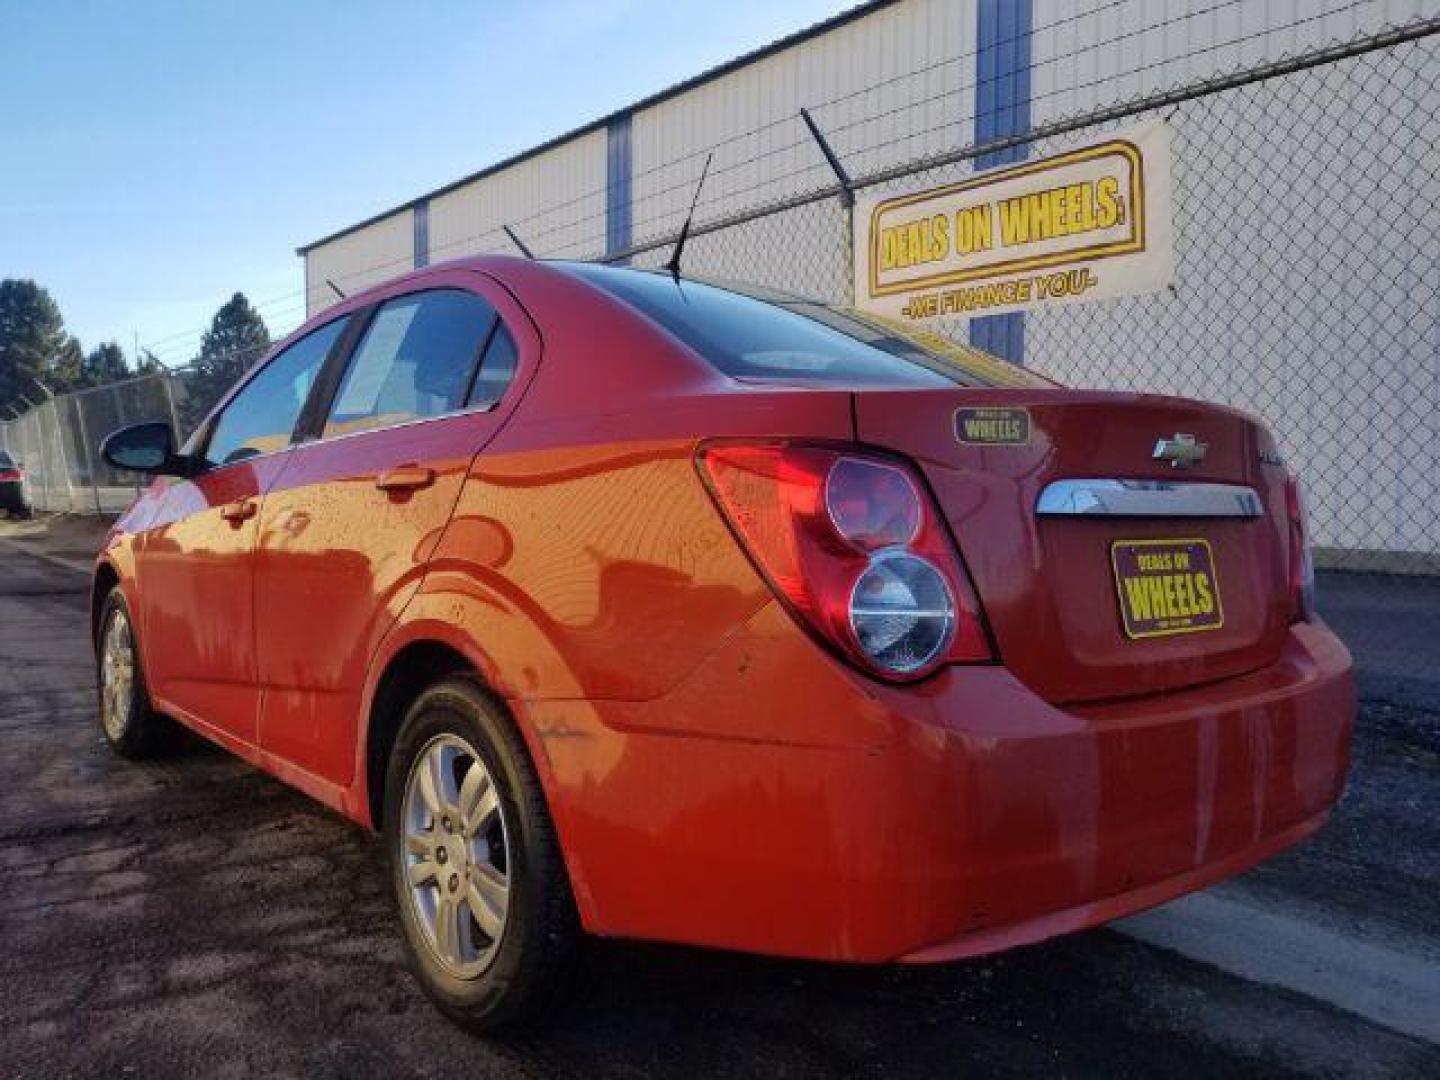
point(67, 368)
point(147, 363)
point(236, 339)
point(104, 364)
point(33, 342)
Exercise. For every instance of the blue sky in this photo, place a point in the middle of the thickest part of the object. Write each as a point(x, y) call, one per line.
point(155, 157)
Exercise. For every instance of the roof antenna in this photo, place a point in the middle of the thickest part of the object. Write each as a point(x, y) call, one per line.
point(518, 242)
point(335, 287)
point(674, 264)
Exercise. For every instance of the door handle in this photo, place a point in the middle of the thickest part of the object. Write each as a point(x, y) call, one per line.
point(405, 478)
point(237, 513)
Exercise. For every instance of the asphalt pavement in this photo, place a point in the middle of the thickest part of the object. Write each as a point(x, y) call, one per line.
point(192, 917)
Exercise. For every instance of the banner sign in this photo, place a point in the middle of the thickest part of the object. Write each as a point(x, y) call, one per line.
point(1087, 224)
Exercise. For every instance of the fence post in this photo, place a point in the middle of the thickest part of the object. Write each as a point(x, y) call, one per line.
point(59, 436)
point(37, 434)
point(847, 198)
point(64, 457)
point(89, 454)
point(29, 422)
point(166, 380)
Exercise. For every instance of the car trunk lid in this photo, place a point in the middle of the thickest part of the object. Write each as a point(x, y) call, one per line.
point(1104, 571)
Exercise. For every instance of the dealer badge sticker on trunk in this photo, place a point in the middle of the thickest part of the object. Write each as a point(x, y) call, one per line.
point(992, 426)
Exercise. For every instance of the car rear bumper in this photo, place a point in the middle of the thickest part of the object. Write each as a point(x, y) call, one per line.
point(1104, 909)
point(778, 803)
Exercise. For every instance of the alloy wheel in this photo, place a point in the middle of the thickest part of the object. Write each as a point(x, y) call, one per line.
point(456, 856)
point(117, 675)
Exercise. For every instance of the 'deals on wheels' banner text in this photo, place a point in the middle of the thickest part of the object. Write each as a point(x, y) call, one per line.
point(1087, 224)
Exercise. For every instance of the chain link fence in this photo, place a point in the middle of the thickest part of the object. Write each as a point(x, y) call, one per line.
point(1307, 291)
point(1307, 283)
point(57, 443)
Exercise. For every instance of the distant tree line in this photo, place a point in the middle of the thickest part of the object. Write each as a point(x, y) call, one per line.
point(36, 350)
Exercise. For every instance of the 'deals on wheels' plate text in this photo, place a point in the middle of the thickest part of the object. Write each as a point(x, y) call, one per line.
point(1166, 587)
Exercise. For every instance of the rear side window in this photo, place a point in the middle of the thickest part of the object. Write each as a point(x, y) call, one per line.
point(789, 339)
point(497, 368)
point(261, 418)
point(415, 360)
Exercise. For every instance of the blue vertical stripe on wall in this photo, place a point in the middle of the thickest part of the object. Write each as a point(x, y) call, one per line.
point(1002, 107)
point(422, 233)
point(617, 185)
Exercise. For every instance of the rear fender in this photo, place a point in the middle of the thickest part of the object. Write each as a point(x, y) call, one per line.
point(439, 617)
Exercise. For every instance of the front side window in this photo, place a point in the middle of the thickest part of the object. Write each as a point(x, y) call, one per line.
point(261, 418)
point(415, 360)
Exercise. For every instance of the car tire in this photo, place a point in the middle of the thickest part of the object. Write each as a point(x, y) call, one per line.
point(131, 727)
point(488, 919)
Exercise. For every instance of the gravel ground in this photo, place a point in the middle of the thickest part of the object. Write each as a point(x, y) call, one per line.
point(193, 917)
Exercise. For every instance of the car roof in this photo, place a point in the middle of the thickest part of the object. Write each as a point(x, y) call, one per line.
point(763, 293)
point(504, 267)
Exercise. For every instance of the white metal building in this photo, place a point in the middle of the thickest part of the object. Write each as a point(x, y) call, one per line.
point(891, 81)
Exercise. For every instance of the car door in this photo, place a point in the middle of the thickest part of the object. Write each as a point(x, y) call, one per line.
point(347, 529)
point(194, 565)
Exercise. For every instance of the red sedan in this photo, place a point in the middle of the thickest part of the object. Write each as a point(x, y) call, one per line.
point(633, 606)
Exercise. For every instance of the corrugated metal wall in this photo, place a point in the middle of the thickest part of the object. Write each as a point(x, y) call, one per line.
point(900, 82)
point(555, 201)
point(360, 259)
point(1306, 345)
point(895, 84)
point(1092, 53)
point(885, 89)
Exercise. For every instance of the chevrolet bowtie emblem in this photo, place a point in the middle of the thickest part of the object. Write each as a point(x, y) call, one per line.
point(1181, 451)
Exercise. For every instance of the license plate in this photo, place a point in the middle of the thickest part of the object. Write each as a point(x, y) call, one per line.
point(1166, 587)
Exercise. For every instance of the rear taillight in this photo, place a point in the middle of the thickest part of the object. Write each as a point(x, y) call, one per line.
point(1302, 565)
point(852, 543)
point(11, 474)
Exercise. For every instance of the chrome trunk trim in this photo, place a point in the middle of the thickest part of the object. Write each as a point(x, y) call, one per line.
point(1148, 498)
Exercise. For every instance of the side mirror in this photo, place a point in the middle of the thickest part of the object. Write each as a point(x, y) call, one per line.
point(146, 448)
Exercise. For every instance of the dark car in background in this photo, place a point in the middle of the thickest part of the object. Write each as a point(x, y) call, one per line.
point(14, 490)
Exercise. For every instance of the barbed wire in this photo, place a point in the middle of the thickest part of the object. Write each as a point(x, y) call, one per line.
point(494, 238)
point(191, 338)
point(1305, 245)
point(1131, 73)
point(660, 238)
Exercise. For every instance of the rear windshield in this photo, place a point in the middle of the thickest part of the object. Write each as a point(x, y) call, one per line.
point(769, 336)
point(6, 461)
